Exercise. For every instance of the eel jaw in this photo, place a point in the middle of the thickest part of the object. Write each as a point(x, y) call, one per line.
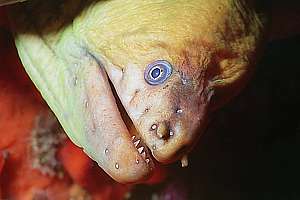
point(107, 138)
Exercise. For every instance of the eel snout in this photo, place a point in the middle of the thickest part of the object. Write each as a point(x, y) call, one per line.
point(169, 118)
point(172, 125)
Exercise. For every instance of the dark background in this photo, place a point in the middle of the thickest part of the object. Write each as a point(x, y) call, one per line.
point(252, 146)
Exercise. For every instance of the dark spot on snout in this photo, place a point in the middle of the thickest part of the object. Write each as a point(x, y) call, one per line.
point(166, 86)
point(136, 92)
point(75, 81)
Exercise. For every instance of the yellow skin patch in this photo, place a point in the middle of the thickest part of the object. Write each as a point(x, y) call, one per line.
point(223, 35)
point(71, 49)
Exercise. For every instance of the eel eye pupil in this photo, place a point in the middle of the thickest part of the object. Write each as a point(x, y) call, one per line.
point(155, 73)
point(158, 72)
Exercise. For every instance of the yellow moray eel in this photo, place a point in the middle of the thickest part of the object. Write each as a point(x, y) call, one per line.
point(169, 63)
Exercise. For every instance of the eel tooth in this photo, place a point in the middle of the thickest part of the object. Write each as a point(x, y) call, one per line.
point(136, 143)
point(141, 149)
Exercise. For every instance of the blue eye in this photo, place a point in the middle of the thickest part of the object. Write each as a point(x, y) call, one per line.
point(158, 72)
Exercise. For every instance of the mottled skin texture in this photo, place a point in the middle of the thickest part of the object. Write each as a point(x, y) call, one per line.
point(71, 49)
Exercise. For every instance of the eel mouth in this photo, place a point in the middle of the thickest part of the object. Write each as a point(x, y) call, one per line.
point(136, 138)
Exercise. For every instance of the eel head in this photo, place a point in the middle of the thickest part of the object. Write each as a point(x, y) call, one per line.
point(166, 102)
point(172, 63)
point(167, 64)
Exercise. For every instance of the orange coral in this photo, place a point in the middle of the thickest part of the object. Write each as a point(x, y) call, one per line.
point(19, 107)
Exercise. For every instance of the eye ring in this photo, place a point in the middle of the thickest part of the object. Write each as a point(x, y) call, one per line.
point(158, 72)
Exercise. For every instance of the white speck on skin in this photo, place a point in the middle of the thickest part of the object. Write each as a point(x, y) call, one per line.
point(106, 151)
point(154, 126)
point(154, 147)
point(171, 133)
point(183, 81)
point(179, 111)
point(117, 166)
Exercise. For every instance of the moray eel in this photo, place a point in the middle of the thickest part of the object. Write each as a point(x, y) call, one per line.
point(169, 64)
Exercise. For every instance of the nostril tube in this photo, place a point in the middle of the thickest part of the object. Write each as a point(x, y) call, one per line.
point(163, 130)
